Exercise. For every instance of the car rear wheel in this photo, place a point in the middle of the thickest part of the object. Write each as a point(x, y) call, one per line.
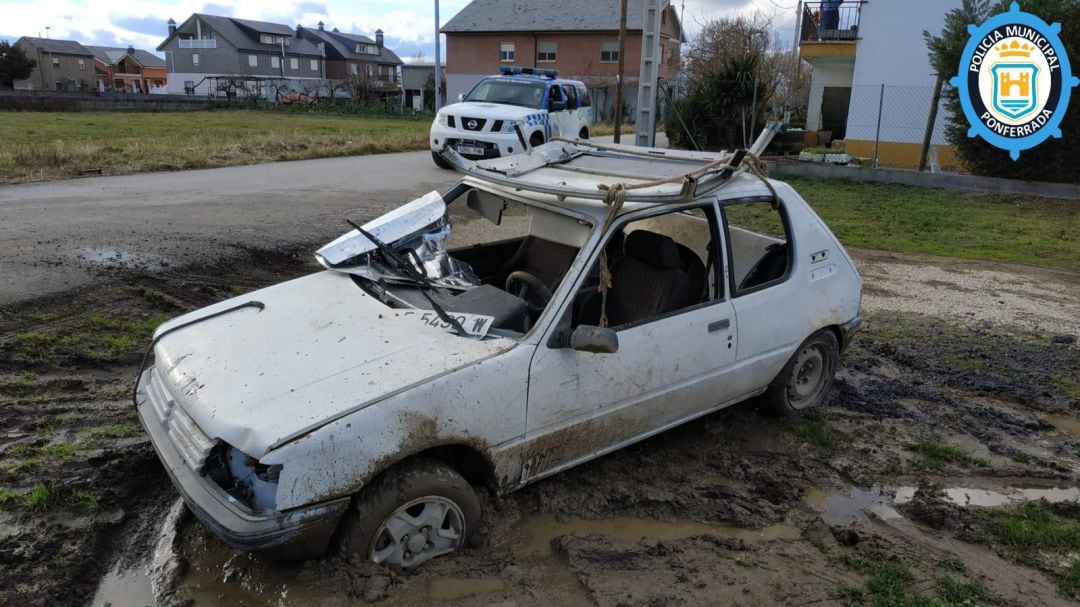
point(536, 139)
point(411, 514)
point(805, 380)
point(439, 162)
point(584, 134)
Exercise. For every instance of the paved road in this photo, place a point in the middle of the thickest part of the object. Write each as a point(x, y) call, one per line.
point(53, 236)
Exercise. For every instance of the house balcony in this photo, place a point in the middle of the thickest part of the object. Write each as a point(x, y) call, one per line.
point(829, 29)
point(198, 43)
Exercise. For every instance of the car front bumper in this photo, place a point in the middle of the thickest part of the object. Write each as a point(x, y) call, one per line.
point(295, 534)
point(494, 145)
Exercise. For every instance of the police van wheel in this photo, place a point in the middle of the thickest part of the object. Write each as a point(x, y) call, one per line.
point(536, 139)
point(439, 162)
point(584, 134)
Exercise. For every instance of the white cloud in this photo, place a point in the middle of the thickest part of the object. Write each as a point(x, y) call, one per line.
point(408, 23)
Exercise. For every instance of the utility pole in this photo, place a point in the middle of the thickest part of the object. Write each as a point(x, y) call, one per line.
point(619, 77)
point(931, 121)
point(438, 61)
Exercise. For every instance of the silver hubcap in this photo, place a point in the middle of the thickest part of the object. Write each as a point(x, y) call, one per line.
point(807, 375)
point(420, 530)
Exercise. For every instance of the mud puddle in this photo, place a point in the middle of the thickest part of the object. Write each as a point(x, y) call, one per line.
point(852, 507)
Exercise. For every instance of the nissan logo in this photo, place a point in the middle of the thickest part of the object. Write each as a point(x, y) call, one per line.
point(472, 125)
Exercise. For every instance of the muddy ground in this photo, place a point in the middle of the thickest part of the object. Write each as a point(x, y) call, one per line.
point(944, 470)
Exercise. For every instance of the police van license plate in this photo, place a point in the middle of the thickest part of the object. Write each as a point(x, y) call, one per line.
point(468, 149)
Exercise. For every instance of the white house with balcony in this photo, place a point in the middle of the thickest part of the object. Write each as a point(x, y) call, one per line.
point(870, 60)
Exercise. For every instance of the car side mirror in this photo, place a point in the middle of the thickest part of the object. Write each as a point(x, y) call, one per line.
point(594, 339)
point(558, 106)
point(461, 97)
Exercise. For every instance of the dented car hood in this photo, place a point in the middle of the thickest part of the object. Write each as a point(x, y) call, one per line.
point(320, 348)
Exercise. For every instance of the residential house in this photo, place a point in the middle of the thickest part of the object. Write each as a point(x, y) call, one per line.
point(211, 54)
point(357, 58)
point(870, 61)
point(62, 65)
point(580, 39)
point(418, 86)
point(128, 70)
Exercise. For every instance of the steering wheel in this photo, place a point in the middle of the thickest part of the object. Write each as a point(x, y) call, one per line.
point(530, 289)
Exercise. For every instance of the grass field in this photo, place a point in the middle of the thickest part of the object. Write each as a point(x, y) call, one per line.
point(38, 145)
point(969, 225)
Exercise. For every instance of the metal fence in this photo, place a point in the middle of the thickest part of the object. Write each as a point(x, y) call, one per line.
point(881, 125)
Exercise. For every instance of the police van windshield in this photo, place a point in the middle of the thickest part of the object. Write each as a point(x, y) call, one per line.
point(509, 92)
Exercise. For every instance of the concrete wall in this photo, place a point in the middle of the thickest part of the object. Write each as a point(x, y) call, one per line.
point(37, 101)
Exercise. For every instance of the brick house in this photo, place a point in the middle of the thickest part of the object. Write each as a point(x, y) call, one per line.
point(128, 70)
point(210, 54)
point(354, 57)
point(62, 65)
point(580, 39)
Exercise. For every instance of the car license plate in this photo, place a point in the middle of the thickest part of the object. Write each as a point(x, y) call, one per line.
point(472, 151)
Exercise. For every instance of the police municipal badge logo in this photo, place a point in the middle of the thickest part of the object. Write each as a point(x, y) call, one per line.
point(1015, 81)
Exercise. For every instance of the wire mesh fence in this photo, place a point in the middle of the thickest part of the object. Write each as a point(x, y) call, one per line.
point(882, 125)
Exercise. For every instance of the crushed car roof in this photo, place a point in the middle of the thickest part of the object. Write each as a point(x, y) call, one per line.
point(577, 174)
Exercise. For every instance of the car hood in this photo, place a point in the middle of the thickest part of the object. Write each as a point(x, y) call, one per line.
point(492, 111)
point(319, 349)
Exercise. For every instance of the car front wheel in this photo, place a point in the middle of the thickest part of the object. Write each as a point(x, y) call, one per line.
point(440, 162)
point(807, 377)
point(411, 514)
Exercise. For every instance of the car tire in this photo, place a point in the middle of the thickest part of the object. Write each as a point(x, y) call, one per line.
point(427, 502)
point(584, 134)
point(536, 139)
point(806, 379)
point(440, 162)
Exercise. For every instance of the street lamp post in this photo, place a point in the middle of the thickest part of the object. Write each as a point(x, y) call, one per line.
point(438, 61)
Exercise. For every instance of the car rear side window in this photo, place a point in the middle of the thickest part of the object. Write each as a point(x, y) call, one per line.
point(759, 245)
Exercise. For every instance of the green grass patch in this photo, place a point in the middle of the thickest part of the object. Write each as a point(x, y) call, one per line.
point(891, 583)
point(42, 497)
point(60, 452)
point(969, 225)
point(936, 454)
point(1069, 579)
point(8, 495)
point(97, 336)
point(55, 145)
point(114, 431)
point(812, 428)
point(1035, 535)
point(19, 385)
point(82, 501)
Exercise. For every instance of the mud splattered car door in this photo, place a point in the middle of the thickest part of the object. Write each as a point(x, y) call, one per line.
point(676, 331)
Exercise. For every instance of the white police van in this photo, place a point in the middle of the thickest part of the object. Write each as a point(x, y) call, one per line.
point(503, 115)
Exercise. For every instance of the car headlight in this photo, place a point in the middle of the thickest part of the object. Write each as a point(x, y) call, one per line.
point(509, 125)
point(243, 477)
point(441, 120)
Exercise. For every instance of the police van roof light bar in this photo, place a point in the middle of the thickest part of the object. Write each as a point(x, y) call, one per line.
point(531, 71)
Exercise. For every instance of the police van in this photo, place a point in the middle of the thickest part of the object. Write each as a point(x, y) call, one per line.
point(504, 114)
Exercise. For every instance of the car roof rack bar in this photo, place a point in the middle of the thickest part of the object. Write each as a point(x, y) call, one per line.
point(528, 71)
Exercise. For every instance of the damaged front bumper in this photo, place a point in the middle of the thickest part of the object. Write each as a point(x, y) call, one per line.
point(295, 534)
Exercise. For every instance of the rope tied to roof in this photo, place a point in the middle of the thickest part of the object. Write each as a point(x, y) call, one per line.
point(615, 198)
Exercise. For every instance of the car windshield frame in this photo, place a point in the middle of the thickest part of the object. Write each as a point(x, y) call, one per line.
point(514, 91)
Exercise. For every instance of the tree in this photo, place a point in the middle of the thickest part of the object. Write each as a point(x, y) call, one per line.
point(14, 64)
point(1054, 160)
point(736, 78)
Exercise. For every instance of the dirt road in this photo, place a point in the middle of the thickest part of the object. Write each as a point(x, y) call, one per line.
point(957, 402)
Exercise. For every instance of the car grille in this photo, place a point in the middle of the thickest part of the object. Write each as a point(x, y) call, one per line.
point(194, 446)
point(473, 124)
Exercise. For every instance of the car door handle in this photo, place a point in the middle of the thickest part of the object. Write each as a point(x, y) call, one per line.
point(719, 325)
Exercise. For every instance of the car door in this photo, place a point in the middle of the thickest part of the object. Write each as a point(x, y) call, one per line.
point(669, 366)
point(762, 275)
point(561, 120)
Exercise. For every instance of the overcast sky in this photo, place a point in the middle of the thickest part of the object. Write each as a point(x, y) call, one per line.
point(409, 24)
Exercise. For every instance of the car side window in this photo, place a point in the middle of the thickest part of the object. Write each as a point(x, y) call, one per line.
point(660, 266)
point(759, 245)
point(571, 98)
point(583, 97)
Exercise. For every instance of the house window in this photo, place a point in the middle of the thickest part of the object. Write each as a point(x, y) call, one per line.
point(55, 61)
point(82, 64)
point(545, 51)
point(314, 65)
point(253, 60)
point(353, 69)
point(506, 52)
point(294, 63)
point(275, 61)
point(272, 39)
point(609, 52)
point(195, 59)
point(370, 71)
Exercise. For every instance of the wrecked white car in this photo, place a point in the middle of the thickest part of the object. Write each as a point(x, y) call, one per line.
point(550, 308)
